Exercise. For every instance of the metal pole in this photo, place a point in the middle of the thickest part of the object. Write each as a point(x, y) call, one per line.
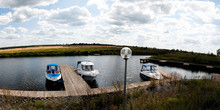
point(125, 83)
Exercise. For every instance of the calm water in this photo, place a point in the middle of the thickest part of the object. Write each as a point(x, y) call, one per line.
point(28, 73)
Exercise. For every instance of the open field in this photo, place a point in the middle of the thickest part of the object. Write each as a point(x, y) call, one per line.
point(55, 47)
point(72, 50)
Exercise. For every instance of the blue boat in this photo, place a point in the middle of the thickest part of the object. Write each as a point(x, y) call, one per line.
point(53, 72)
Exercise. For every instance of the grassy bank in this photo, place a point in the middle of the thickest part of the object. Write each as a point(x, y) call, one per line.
point(181, 95)
point(101, 49)
point(74, 50)
point(190, 57)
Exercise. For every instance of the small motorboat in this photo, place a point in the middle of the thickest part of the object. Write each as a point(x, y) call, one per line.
point(86, 70)
point(53, 72)
point(149, 71)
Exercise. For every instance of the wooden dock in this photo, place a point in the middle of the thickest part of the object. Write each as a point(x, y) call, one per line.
point(75, 86)
point(215, 76)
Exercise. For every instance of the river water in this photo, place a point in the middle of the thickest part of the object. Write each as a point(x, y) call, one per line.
point(29, 73)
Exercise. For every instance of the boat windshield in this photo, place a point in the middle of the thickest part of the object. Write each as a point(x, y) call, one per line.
point(52, 68)
point(148, 68)
point(87, 67)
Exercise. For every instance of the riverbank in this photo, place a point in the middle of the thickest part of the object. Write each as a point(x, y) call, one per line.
point(177, 95)
point(75, 50)
point(190, 57)
point(102, 49)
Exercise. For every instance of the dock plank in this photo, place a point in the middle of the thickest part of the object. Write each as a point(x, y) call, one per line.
point(168, 75)
point(74, 84)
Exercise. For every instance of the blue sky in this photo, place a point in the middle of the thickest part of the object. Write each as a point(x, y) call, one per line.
point(172, 24)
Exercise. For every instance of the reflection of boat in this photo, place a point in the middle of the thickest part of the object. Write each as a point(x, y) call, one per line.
point(54, 85)
point(149, 71)
point(85, 69)
point(92, 84)
point(53, 72)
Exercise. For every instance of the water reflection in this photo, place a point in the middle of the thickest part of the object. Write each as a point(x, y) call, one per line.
point(54, 85)
point(92, 84)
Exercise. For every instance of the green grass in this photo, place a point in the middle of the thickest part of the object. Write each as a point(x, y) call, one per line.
point(79, 51)
point(178, 95)
point(191, 58)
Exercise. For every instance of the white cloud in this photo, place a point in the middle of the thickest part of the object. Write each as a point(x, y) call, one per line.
point(183, 24)
point(72, 16)
point(144, 12)
point(25, 3)
point(215, 40)
point(13, 33)
point(204, 10)
point(10, 29)
point(5, 19)
point(22, 30)
point(125, 12)
point(2, 34)
point(127, 15)
point(190, 41)
point(48, 30)
point(100, 4)
point(22, 15)
point(161, 7)
point(25, 14)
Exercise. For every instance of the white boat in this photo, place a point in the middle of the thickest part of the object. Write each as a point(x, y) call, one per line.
point(149, 71)
point(86, 70)
point(53, 72)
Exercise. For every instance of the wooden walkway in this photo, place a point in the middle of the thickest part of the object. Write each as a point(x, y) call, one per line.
point(215, 76)
point(168, 75)
point(75, 86)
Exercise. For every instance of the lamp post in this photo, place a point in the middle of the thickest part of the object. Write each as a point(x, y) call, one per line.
point(125, 54)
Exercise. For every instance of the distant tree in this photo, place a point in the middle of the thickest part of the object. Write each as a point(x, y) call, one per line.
point(218, 52)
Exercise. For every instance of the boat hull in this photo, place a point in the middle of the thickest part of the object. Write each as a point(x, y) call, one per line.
point(89, 78)
point(145, 77)
point(88, 75)
point(149, 76)
point(51, 78)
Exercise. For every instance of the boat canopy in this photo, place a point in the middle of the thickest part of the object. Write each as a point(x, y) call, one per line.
point(86, 63)
point(148, 67)
point(52, 65)
point(145, 65)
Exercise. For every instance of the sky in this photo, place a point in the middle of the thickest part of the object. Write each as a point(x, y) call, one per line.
point(168, 24)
